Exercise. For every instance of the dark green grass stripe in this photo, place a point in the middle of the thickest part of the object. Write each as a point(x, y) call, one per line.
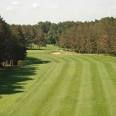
point(84, 100)
point(99, 101)
point(60, 107)
point(54, 90)
point(47, 95)
point(56, 87)
point(111, 69)
point(70, 100)
point(98, 98)
point(62, 87)
point(107, 87)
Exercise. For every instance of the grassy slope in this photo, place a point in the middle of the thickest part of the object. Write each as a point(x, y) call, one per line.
point(60, 85)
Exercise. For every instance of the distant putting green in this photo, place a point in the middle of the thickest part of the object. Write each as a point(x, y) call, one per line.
point(53, 82)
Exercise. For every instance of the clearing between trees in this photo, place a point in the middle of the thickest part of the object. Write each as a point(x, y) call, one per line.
point(59, 85)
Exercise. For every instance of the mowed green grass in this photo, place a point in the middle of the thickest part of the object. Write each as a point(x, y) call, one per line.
point(59, 85)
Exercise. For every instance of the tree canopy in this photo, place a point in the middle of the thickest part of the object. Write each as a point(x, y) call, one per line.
point(12, 45)
point(98, 37)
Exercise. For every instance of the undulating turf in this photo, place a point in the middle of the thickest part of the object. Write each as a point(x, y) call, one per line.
point(61, 84)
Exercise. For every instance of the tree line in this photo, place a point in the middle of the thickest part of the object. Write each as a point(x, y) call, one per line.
point(98, 37)
point(12, 45)
point(94, 37)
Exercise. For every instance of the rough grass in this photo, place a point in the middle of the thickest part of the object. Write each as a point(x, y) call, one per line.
point(59, 85)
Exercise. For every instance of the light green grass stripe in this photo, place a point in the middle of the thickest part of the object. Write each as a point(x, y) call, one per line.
point(84, 104)
point(42, 94)
point(49, 100)
point(71, 97)
point(58, 101)
point(58, 87)
point(110, 91)
point(54, 105)
point(111, 69)
point(107, 86)
point(99, 101)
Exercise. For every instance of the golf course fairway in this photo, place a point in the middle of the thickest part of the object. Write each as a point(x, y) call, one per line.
point(52, 82)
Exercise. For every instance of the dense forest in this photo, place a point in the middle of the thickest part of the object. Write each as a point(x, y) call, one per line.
point(12, 45)
point(96, 37)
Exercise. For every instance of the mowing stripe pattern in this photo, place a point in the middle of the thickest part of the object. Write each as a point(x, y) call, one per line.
point(63, 85)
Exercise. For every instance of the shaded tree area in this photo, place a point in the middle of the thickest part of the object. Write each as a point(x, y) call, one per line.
point(12, 45)
point(12, 80)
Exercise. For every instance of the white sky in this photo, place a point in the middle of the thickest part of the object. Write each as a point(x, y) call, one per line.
point(33, 11)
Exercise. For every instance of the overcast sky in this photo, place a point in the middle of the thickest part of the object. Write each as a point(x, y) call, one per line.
point(33, 11)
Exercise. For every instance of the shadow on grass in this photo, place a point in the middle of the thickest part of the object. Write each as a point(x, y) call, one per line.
point(36, 49)
point(31, 61)
point(12, 80)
